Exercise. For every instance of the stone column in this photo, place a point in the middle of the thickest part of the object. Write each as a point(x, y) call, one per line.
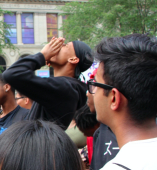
point(1, 17)
point(60, 23)
point(40, 28)
point(19, 28)
point(36, 28)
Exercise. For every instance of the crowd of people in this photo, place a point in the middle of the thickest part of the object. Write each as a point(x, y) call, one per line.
point(61, 123)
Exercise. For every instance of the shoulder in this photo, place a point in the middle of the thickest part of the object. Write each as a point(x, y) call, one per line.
point(62, 81)
point(135, 155)
point(111, 165)
point(21, 113)
point(23, 110)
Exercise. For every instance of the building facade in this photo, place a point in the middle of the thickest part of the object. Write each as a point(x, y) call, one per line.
point(34, 22)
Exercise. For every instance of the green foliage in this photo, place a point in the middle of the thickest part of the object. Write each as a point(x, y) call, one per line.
point(5, 42)
point(1, 69)
point(91, 21)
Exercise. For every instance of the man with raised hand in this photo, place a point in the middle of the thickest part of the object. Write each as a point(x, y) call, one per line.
point(125, 98)
point(56, 98)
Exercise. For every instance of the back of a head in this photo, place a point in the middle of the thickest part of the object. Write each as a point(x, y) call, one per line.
point(84, 53)
point(22, 95)
point(130, 65)
point(37, 145)
point(84, 118)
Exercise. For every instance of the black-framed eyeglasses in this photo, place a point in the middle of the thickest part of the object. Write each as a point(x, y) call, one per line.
point(19, 98)
point(92, 86)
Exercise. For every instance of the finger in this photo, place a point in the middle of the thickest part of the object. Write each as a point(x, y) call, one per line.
point(53, 37)
point(61, 38)
point(52, 41)
point(57, 50)
point(56, 41)
point(57, 44)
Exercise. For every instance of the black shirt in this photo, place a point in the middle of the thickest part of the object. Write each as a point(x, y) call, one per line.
point(17, 114)
point(56, 98)
point(105, 147)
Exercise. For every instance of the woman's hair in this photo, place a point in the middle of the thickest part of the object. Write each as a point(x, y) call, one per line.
point(37, 145)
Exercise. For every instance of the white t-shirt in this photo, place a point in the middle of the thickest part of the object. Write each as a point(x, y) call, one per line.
point(136, 155)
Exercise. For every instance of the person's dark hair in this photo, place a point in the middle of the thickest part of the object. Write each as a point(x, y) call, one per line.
point(84, 118)
point(3, 82)
point(130, 65)
point(77, 72)
point(22, 95)
point(90, 59)
point(37, 145)
point(84, 53)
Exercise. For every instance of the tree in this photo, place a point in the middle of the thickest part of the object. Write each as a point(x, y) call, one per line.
point(92, 20)
point(5, 30)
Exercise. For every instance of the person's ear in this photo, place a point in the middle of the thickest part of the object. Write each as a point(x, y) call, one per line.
point(115, 99)
point(7, 87)
point(26, 100)
point(73, 60)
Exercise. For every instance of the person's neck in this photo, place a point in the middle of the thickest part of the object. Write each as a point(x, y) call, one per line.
point(29, 106)
point(64, 71)
point(8, 106)
point(72, 124)
point(127, 132)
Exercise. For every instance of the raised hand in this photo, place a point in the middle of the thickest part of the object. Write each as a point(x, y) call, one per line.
point(52, 48)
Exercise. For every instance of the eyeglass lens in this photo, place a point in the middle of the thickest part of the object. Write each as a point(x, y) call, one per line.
point(92, 88)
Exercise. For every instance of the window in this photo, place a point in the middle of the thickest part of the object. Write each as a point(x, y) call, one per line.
point(11, 19)
point(27, 28)
point(52, 26)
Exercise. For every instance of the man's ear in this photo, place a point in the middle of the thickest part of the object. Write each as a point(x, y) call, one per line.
point(115, 99)
point(26, 100)
point(73, 60)
point(7, 87)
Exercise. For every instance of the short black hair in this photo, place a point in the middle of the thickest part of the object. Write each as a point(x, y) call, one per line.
point(37, 145)
point(84, 118)
point(22, 95)
point(130, 65)
point(3, 82)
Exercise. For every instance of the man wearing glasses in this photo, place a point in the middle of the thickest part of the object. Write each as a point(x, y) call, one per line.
point(125, 98)
point(105, 145)
point(23, 101)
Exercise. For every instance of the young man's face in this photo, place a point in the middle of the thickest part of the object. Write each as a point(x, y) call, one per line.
point(101, 101)
point(66, 52)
